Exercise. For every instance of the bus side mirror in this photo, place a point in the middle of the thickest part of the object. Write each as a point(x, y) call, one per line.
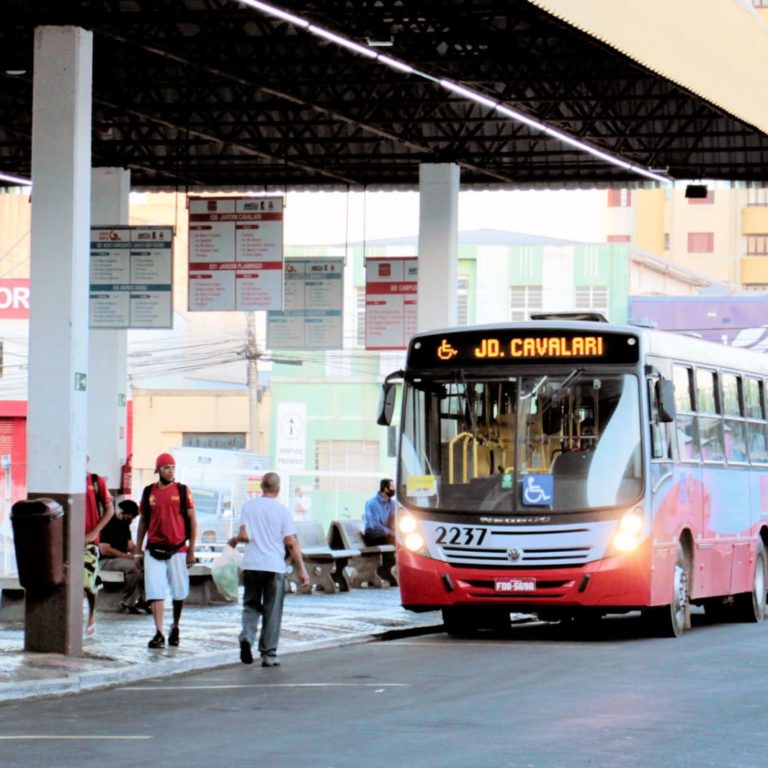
point(387, 399)
point(666, 399)
point(386, 405)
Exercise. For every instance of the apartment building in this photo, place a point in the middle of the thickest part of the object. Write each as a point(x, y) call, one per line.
point(716, 229)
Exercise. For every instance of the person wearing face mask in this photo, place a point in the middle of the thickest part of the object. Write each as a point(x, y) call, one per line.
point(380, 515)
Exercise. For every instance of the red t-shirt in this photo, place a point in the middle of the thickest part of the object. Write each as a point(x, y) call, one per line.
point(166, 523)
point(92, 513)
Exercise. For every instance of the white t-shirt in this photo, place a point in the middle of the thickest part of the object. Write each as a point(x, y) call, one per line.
point(267, 522)
point(300, 506)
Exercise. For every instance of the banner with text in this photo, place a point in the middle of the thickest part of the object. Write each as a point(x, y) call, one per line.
point(235, 253)
point(312, 315)
point(131, 277)
point(391, 287)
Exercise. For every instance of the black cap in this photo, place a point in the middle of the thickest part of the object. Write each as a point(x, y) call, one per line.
point(128, 507)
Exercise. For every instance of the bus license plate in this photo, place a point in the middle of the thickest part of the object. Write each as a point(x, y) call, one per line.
point(515, 585)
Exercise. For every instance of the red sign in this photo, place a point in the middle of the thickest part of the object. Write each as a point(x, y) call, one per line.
point(14, 299)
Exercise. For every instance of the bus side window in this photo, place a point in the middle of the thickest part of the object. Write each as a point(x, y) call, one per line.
point(733, 409)
point(710, 421)
point(754, 410)
point(687, 432)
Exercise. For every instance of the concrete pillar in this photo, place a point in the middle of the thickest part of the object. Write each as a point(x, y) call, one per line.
point(58, 327)
point(438, 245)
point(107, 348)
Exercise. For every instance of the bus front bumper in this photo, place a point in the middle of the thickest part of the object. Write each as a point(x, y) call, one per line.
point(620, 582)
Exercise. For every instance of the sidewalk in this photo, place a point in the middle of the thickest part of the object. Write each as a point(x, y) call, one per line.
point(119, 653)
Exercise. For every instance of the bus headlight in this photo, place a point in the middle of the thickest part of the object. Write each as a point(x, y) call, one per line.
point(414, 542)
point(407, 524)
point(627, 538)
point(409, 531)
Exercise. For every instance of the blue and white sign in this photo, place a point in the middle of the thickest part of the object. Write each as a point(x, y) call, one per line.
point(314, 297)
point(537, 489)
point(131, 277)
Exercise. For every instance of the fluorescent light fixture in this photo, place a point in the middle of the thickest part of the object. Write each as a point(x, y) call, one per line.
point(342, 41)
point(15, 179)
point(278, 12)
point(468, 94)
point(459, 90)
point(395, 64)
point(519, 117)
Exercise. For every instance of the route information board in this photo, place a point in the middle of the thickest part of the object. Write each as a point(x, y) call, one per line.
point(391, 287)
point(131, 277)
point(235, 253)
point(312, 317)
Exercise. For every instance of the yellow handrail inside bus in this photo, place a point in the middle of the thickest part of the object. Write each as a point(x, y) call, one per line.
point(466, 438)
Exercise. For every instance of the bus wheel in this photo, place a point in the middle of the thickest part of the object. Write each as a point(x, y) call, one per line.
point(670, 620)
point(750, 606)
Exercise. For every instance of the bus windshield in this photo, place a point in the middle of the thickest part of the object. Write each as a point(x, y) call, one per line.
point(482, 442)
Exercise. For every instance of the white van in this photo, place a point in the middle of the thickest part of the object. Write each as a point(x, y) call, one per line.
point(213, 509)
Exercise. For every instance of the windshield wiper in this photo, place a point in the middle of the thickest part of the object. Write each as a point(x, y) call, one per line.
point(570, 378)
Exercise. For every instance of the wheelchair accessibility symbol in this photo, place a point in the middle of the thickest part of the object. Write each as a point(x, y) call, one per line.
point(537, 489)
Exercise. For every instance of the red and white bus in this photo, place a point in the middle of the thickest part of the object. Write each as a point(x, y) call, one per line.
point(574, 469)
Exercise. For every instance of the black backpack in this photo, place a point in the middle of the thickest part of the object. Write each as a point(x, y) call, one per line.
point(182, 504)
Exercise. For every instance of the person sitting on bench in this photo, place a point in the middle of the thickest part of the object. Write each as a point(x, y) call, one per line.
point(120, 553)
point(380, 515)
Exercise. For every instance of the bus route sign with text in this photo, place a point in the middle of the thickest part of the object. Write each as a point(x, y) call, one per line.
point(518, 347)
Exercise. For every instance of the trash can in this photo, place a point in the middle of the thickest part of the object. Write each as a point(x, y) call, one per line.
point(38, 536)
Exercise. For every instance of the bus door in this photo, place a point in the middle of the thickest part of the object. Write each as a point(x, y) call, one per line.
point(675, 474)
point(696, 499)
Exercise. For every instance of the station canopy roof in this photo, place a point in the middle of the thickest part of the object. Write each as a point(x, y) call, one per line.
point(217, 94)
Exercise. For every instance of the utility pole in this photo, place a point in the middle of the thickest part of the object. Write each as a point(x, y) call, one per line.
point(252, 355)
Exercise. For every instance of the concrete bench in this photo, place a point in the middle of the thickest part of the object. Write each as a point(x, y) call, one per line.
point(327, 567)
point(202, 590)
point(12, 595)
point(375, 565)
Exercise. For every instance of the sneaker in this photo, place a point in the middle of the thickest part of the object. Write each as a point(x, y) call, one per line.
point(269, 661)
point(245, 652)
point(132, 609)
point(158, 641)
point(173, 637)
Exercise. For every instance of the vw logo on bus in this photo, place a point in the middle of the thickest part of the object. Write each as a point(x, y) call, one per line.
point(514, 554)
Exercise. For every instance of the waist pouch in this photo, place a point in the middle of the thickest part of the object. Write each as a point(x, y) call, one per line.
point(162, 551)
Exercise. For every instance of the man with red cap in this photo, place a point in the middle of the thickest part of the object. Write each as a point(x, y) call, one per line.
point(167, 518)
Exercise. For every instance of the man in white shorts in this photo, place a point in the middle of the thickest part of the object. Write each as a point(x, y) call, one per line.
point(168, 519)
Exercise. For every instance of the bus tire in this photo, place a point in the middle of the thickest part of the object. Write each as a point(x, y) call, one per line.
point(750, 606)
point(670, 620)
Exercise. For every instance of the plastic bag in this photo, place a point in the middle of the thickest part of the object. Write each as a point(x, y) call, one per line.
point(225, 571)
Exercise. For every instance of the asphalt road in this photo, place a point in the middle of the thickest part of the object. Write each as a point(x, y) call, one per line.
point(536, 697)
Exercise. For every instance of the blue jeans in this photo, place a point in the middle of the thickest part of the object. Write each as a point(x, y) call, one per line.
point(263, 597)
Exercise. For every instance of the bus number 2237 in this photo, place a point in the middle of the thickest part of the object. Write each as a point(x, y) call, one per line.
point(465, 535)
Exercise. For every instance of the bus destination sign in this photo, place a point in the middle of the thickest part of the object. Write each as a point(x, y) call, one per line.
point(519, 347)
